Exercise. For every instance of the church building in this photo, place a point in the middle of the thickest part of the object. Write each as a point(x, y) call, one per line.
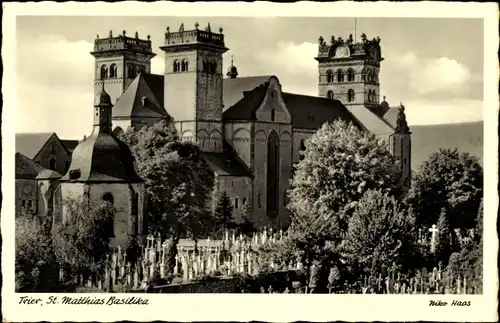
point(249, 130)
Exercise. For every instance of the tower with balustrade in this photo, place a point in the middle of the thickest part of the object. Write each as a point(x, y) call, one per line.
point(193, 84)
point(118, 60)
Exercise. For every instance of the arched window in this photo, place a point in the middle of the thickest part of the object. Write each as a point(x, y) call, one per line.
point(244, 201)
point(108, 207)
point(340, 75)
point(350, 75)
point(272, 173)
point(52, 163)
point(213, 67)
point(302, 149)
point(369, 76)
point(104, 72)
point(184, 66)
point(363, 75)
point(329, 94)
point(131, 71)
point(112, 71)
point(205, 66)
point(176, 66)
point(236, 202)
point(329, 76)
point(350, 95)
point(259, 200)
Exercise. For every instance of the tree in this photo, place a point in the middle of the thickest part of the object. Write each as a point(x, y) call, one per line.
point(341, 162)
point(451, 180)
point(35, 265)
point(247, 227)
point(81, 240)
point(178, 181)
point(223, 213)
point(444, 241)
point(379, 234)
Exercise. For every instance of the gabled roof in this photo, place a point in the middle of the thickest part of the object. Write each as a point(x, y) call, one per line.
point(26, 168)
point(309, 112)
point(233, 88)
point(69, 144)
point(131, 103)
point(370, 121)
point(246, 107)
point(226, 163)
point(30, 144)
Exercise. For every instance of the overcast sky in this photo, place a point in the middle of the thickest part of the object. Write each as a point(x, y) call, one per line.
point(434, 66)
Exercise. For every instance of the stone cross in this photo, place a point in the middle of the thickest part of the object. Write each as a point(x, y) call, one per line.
point(434, 231)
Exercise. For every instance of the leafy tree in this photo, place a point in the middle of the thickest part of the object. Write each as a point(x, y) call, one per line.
point(35, 264)
point(451, 180)
point(178, 181)
point(379, 234)
point(341, 162)
point(223, 213)
point(81, 241)
point(443, 237)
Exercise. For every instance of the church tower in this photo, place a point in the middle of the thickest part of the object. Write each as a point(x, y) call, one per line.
point(118, 60)
point(400, 146)
point(193, 84)
point(349, 71)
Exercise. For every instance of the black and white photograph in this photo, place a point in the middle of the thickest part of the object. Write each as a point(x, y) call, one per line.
point(160, 154)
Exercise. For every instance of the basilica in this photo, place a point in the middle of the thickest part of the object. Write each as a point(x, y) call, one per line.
point(249, 130)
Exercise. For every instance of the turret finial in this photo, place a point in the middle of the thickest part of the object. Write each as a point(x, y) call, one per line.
point(221, 30)
point(124, 32)
point(196, 25)
point(401, 123)
point(136, 34)
point(110, 34)
point(181, 28)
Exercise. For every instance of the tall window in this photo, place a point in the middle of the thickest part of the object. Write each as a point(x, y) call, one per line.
point(273, 114)
point(340, 75)
point(184, 66)
point(236, 202)
point(363, 75)
point(329, 76)
point(272, 173)
point(113, 71)
point(132, 72)
point(52, 163)
point(350, 75)
point(259, 200)
point(104, 72)
point(329, 94)
point(350, 95)
point(176, 66)
point(135, 215)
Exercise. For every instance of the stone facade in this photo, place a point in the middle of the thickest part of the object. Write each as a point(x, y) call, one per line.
point(53, 155)
point(26, 195)
point(267, 139)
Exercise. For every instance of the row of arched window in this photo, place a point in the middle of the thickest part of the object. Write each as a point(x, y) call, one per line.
point(350, 75)
point(111, 72)
point(180, 66)
point(372, 96)
point(351, 96)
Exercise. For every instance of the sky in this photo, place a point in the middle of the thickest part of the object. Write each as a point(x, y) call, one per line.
point(434, 66)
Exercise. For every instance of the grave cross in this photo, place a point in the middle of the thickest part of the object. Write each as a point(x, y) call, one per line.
point(434, 231)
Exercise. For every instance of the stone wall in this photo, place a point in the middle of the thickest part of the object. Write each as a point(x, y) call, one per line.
point(27, 191)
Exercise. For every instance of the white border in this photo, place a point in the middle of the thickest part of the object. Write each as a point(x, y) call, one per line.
point(246, 307)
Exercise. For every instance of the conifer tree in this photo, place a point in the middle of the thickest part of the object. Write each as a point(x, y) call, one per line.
point(443, 237)
point(247, 226)
point(223, 213)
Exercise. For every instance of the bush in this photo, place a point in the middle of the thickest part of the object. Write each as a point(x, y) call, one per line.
point(35, 265)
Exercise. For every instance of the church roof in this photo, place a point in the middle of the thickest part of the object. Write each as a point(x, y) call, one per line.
point(102, 158)
point(26, 168)
point(309, 112)
point(30, 144)
point(142, 99)
point(391, 116)
point(233, 88)
point(225, 164)
point(69, 144)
